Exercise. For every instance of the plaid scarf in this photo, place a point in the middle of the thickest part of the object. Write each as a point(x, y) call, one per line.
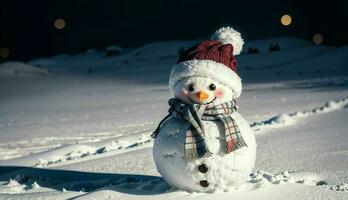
point(195, 145)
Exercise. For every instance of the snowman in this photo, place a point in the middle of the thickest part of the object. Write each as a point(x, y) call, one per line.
point(204, 144)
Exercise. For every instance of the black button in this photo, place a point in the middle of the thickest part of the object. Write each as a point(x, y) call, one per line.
point(203, 168)
point(204, 183)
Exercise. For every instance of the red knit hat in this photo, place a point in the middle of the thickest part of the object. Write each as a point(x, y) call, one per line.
point(212, 58)
point(211, 50)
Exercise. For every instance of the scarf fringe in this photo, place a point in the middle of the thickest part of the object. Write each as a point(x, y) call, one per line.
point(192, 154)
point(234, 146)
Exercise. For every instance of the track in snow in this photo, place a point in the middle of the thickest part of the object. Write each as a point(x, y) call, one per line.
point(288, 119)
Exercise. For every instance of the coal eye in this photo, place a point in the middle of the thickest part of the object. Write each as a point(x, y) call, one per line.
point(212, 87)
point(191, 88)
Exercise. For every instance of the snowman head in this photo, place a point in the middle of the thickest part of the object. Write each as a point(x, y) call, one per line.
point(202, 90)
point(206, 72)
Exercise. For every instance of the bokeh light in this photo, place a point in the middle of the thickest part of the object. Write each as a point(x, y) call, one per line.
point(59, 23)
point(4, 52)
point(318, 38)
point(286, 20)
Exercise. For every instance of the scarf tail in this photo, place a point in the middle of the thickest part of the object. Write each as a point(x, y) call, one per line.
point(195, 146)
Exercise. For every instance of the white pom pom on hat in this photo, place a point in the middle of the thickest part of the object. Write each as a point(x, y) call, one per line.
point(227, 35)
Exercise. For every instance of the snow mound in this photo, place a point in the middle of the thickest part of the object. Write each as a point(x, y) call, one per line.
point(35, 185)
point(64, 154)
point(294, 64)
point(343, 187)
point(288, 119)
point(19, 185)
point(12, 187)
point(306, 178)
point(114, 145)
point(73, 153)
point(327, 107)
point(286, 43)
point(43, 62)
point(19, 69)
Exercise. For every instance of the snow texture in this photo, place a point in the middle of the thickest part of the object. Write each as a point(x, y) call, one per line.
point(78, 126)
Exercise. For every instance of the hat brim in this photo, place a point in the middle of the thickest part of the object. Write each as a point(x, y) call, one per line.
point(207, 68)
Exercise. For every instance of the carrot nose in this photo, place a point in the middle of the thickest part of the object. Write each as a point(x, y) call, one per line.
point(202, 95)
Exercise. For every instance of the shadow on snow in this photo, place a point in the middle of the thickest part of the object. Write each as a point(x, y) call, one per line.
point(85, 181)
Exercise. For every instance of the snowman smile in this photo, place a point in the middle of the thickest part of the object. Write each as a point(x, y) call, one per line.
point(194, 102)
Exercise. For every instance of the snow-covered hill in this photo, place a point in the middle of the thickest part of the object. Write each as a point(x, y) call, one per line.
point(18, 69)
point(78, 126)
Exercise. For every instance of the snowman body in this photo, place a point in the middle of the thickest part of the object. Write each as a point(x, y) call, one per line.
point(221, 171)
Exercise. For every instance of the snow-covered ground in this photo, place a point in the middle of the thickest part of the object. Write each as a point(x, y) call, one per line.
point(78, 126)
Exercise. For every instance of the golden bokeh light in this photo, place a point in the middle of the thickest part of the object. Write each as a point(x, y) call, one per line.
point(4, 52)
point(286, 20)
point(59, 23)
point(318, 38)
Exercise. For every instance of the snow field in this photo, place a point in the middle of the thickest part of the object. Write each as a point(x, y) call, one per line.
point(68, 133)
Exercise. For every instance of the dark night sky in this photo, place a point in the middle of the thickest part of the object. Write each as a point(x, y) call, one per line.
point(27, 27)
